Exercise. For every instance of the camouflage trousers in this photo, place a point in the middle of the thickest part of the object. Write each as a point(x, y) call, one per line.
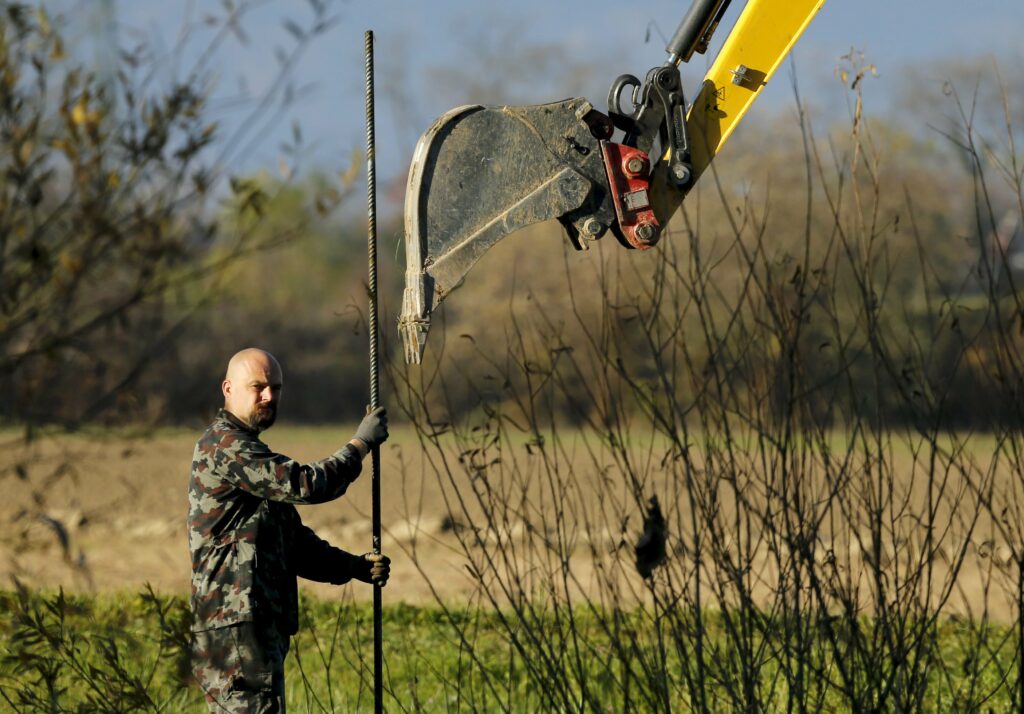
point(241, 668)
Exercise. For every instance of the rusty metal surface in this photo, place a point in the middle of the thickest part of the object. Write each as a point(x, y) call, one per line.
point(628, 170)
point(480, 173)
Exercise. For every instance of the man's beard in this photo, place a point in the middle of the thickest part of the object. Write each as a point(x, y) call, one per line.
point(262, 417)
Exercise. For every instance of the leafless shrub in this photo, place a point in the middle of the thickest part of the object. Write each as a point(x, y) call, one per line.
point(837, 534)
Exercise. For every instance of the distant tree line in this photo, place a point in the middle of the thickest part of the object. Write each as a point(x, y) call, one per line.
point(133, 264)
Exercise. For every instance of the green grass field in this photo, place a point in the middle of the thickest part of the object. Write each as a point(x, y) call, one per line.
point(129, 653)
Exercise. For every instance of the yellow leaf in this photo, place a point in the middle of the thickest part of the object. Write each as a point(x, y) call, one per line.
point(349, 175)
point(70, 263)
point(79, 113)
point(57, 51)
point(113, 180)
point(44, 21)
point(82, 116)
point(25, 152)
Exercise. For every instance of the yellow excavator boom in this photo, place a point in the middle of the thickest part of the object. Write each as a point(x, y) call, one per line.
point(762, 37)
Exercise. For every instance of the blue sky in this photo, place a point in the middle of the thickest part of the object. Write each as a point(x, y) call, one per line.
point(433, 55)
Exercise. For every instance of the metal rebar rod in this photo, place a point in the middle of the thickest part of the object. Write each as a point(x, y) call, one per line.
point(371, 249)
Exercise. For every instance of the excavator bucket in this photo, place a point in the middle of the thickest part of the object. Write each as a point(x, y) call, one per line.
point(480, 173)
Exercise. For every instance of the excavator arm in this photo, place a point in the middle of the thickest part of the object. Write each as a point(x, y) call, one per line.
point(480, 173)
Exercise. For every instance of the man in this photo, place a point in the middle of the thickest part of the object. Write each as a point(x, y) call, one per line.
point(248, 543)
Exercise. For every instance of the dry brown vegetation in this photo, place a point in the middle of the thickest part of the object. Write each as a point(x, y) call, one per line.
point(116, 522)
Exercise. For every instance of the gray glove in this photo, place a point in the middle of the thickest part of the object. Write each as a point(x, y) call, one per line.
point(372, 568)
point(373, 430)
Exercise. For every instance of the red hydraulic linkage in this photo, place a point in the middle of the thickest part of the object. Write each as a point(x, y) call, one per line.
point(629, 172)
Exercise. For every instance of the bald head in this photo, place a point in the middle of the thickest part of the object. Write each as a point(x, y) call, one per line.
point(252, 387)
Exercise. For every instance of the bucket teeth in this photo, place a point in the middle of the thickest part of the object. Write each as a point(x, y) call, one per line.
point(414, 322)
point(414, 336)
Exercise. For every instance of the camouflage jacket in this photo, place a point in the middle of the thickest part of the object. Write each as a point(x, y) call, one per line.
point(247, 541)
